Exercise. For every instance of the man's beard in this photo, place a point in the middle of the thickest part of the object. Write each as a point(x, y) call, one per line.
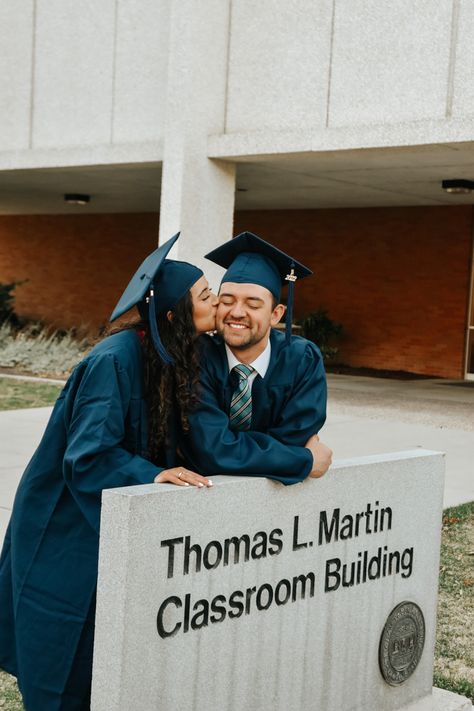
point(251, 340)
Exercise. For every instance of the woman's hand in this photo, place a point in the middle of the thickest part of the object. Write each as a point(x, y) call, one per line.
point(182, 477)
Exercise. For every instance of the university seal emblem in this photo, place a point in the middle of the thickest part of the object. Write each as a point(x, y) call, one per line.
point(401, 643)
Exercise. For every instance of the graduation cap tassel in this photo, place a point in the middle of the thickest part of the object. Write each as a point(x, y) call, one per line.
point(290, 278)
point(157, 342)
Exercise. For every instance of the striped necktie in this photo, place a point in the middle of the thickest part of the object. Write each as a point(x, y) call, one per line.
point(241, 403)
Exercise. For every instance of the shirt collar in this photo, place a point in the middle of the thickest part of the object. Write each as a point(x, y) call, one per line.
point(260, 364)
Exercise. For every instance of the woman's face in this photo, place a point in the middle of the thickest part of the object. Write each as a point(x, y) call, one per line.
point(204, 306)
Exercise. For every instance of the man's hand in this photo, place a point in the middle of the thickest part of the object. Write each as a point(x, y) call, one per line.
point(322, 456)
point(182, 477)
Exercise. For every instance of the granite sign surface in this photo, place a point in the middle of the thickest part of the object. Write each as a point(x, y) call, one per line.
point(256, 596)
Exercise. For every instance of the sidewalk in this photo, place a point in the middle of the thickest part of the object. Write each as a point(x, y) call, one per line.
point(20, 432)
point(375, 415)
point(365, 416)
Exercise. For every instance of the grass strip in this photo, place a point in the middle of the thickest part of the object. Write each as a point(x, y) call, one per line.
point(454, 651)
point(10, 697)
point(18, 394)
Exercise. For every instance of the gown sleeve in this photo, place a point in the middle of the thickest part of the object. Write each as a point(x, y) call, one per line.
point(304, 412)
point(95, 458)
point(211, 447)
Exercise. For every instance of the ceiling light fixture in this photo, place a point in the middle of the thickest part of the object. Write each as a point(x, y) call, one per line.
point(76, 199)
point(458, 186)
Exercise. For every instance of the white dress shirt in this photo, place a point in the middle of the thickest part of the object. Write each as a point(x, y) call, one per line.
point(259, 365)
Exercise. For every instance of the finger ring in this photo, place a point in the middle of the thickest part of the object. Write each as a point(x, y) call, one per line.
point(180, 474)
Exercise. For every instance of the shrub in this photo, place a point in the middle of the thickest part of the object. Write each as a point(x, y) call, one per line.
point(322, 330)
point(35, 349)
point(7, 311)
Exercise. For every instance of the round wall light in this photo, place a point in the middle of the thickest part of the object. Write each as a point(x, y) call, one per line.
point(76, 199)
point(458, 186)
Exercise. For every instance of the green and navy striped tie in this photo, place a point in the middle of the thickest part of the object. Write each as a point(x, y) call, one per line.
point(241, 403)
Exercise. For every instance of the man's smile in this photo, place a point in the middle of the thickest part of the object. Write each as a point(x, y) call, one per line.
point(235, 324)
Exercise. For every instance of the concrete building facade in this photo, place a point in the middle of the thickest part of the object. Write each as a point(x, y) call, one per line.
point(326, 126)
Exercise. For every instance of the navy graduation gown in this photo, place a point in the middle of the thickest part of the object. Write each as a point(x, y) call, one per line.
point(288, 406)
point(96, 438)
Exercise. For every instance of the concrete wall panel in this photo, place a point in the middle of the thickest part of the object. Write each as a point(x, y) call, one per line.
point(140, 69)
point(16, 42)
point(390, 61)
point(278, 64)
point(73, 72)
point(463, 87)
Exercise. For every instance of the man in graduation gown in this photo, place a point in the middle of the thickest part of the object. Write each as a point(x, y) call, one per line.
point(262, 419)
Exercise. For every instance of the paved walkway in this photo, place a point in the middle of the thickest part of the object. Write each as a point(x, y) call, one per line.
point(366, 416)
point(374, 415)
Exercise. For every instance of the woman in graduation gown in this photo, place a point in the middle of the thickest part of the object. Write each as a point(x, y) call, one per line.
point(112, 426)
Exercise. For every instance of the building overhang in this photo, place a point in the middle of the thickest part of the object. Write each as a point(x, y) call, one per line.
point(118, 177)
point(371, 166)
point(364, 166)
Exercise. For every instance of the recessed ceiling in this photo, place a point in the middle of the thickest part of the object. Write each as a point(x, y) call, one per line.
point(361, 178)
point(113, 188)
point(336, 179)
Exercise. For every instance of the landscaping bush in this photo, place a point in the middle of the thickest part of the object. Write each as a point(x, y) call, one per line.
point(322, 330)
point(40, 351)
point(7, 311)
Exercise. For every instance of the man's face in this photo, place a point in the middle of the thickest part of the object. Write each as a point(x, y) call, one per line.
point(245, 315)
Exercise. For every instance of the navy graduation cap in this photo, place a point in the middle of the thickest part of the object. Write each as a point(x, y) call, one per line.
point(250, 260)
point(157, 285)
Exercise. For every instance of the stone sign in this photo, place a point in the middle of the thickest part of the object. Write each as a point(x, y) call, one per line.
point(255, 596)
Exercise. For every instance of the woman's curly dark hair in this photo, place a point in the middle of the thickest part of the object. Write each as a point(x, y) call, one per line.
point(167, 385)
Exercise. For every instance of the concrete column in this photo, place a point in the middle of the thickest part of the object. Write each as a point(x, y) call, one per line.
point(197, 194)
